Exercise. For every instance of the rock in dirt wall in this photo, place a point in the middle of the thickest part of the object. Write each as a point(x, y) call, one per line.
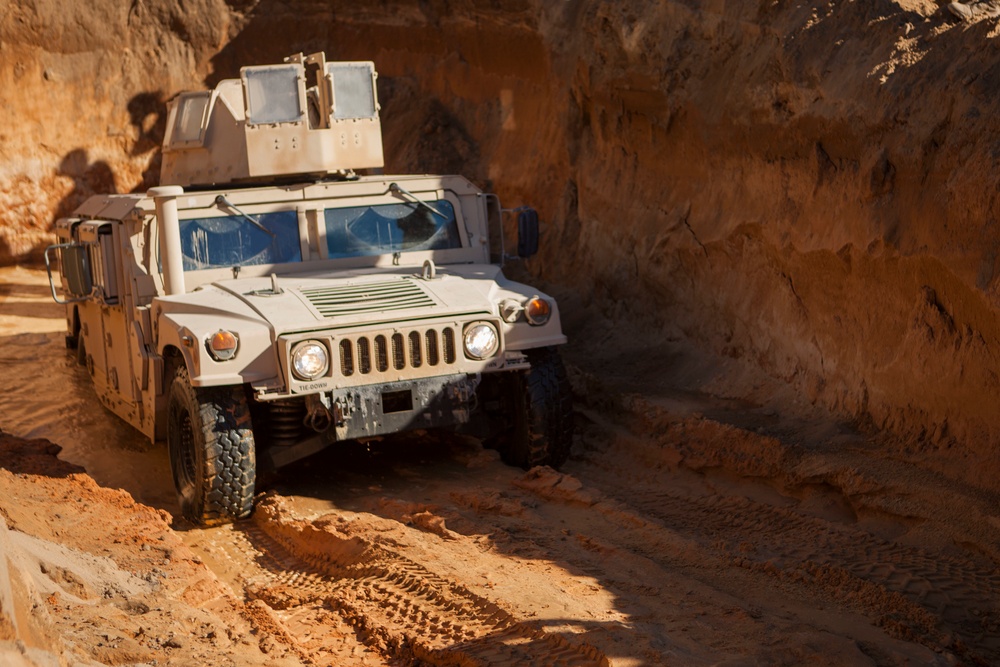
point(808, 187)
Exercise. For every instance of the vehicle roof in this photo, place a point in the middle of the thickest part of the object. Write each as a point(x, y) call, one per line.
point(120, 206)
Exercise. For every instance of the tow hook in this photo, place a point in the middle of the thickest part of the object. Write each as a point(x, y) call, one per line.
point(318, 416)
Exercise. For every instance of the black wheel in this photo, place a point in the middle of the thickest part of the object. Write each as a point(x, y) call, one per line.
point(212, 455)
point(541, 404)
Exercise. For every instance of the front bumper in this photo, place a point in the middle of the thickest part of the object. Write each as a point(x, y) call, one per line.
point(373, 410)
point(370, 411)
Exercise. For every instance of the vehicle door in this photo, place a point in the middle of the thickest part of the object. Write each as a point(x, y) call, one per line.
point(105, 323)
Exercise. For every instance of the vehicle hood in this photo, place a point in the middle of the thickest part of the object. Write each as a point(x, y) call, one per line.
point(303, 303)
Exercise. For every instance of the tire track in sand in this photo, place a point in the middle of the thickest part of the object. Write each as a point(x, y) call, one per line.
point(394, 606)
point(937, 599)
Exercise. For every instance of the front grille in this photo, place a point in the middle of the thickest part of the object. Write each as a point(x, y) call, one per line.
point(449, 346)
point(380, 353)
point(432, 347)
point(346, 358)
point(398, 353)
point(368, 298)
point(364, 357)
point(416, 358)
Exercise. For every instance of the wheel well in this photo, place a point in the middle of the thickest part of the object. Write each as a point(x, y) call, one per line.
point(172, 360)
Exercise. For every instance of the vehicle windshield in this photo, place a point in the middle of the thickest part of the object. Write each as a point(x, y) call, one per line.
point(232, 240)
point(359, 231)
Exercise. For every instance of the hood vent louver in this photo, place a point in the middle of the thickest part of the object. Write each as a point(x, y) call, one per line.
point(367, 298)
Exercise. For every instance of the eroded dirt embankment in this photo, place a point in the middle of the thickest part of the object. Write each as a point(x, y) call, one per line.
point(82, 108)
point(805, 187)
point(88, 576)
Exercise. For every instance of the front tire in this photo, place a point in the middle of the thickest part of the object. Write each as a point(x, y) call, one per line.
point(212, 452)
point(540, 404)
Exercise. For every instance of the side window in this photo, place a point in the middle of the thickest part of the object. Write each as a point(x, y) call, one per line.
point(98, 239)
point(359, 231)
point(234, 240)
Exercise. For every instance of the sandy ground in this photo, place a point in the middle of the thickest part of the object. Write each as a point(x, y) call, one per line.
point(706, 517)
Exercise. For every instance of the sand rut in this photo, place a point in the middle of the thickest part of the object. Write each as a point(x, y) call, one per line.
point(394, 606)
point(930, 597)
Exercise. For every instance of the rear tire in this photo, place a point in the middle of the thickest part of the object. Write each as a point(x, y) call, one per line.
point(540, 404)
point(212, 452)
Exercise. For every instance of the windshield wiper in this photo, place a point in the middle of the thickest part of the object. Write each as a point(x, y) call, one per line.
point(395, 187)
point(221, 200)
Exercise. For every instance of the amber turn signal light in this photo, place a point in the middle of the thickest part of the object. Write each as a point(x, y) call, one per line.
point(537, 311)
point(222, 345)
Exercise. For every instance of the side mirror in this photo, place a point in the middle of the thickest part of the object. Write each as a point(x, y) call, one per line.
point(527, 232)
point(75, 271)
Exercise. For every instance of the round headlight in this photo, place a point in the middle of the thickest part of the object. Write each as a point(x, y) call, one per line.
point(481, 341)
point(537, 311)
point(309, 360)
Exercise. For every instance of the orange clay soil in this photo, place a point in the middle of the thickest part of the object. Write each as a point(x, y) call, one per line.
point(686, 529)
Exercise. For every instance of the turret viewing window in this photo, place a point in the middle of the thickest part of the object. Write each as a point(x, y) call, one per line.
point(353, 90)
point(188, 127)
point(275, 94)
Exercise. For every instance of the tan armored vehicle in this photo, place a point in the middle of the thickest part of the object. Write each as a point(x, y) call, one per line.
point(269, 299)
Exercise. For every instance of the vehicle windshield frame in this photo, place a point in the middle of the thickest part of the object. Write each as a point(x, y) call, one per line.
point(310, 207)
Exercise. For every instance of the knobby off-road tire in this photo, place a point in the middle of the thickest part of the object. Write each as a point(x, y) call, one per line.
point(542, 413)
point(212, 453)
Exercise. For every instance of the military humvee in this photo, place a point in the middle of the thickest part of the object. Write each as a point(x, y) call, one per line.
point(277, 294)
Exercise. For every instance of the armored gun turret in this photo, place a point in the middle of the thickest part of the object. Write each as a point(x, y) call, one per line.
point(304, 118)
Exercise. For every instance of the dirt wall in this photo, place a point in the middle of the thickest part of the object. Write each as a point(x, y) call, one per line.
point(806, 187)
point(83, 91)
